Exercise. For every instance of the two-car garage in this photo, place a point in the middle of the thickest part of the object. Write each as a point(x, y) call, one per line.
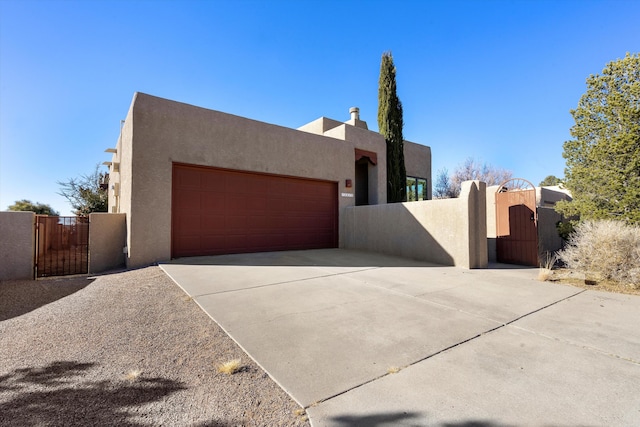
point(220, 211)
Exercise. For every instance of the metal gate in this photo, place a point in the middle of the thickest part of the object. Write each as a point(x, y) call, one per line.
point(62, 245)
point(516, 223)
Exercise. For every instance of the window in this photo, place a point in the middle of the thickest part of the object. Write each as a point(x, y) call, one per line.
point(416, 189)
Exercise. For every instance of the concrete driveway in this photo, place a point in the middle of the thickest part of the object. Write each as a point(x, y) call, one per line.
point(362, 339)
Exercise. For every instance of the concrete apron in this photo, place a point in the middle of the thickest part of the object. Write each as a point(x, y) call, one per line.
point(366, 339)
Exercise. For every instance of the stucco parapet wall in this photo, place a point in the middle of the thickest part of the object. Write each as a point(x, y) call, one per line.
point(359, 137)
point(320, 126)
point(200, 136)
point(357, 123)
point(416, 157)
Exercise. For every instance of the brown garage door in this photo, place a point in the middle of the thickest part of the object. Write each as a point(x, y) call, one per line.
point(219, 211)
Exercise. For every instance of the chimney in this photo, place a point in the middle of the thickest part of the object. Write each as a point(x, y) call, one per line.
point(355, 118)
point(355, 113)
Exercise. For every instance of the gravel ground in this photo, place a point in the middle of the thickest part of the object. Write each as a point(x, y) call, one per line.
point(125, 349)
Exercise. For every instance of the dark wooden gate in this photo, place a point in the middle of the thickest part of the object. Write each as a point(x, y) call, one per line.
point(62, 245)
point(516, 223)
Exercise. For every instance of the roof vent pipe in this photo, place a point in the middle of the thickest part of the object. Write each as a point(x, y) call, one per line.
point(355, 113)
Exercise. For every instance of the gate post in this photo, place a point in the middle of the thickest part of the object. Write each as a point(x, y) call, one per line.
point(107, 239)
point(474, 192)
point(17, 245)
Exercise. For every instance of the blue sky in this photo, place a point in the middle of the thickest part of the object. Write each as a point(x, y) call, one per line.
point(492, 80)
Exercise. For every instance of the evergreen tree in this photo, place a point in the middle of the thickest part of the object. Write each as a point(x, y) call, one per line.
point(603, 160)
point(390, 126)
point(29, 206)
point(550, 180)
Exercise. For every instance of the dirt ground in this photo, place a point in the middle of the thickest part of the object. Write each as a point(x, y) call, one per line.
point(567, 277)
point(125, 349)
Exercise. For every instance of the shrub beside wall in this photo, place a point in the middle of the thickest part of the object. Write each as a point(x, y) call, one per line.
point(605, 250)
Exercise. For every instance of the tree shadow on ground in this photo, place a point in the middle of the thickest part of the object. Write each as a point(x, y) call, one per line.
point(54, 395)
point(18, 297)
point(412, 419)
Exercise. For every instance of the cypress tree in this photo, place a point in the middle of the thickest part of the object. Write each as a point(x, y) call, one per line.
point(390, 126)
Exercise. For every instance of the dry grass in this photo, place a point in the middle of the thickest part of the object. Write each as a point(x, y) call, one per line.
point(133, 375)
point(230, 367)
point(393, 370)
point(605, 251)
point(545, 274)
point(301, 413)
point(546, 266)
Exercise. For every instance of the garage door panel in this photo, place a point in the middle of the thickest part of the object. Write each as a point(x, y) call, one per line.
point(212, 202)
point(236, 184)
point(235, 203)
point(190, 223)
point(214, 183)
point(257, 223)
point(307, 222)
point(189, 200)
point(212, 245)
point(278, 240)
point(280, 223)
point(236, 242)
point(236, 223)
point(219, 211)
point(213, 223)
point(265, 241)
point(323, 223)
point(317, 204)
point(257, 204)
point(187, 179)
point(277, 186)
point(192, 244)
point(277, 204)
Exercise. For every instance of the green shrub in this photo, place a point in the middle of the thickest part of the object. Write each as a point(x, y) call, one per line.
point(605, 250)
point(565, 228)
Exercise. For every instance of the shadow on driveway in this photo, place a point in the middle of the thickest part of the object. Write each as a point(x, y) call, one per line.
point(322, 258)
point(416, 419)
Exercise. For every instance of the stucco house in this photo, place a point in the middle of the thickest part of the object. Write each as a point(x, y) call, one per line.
point(194, 181)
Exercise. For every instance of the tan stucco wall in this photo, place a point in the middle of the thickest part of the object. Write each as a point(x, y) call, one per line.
point(549, 196)
point(17, 235)
point(445, 231)
point(107, 238)
point(549, 241)
point(417, 162)
point(370, 141)
point(417, 157)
